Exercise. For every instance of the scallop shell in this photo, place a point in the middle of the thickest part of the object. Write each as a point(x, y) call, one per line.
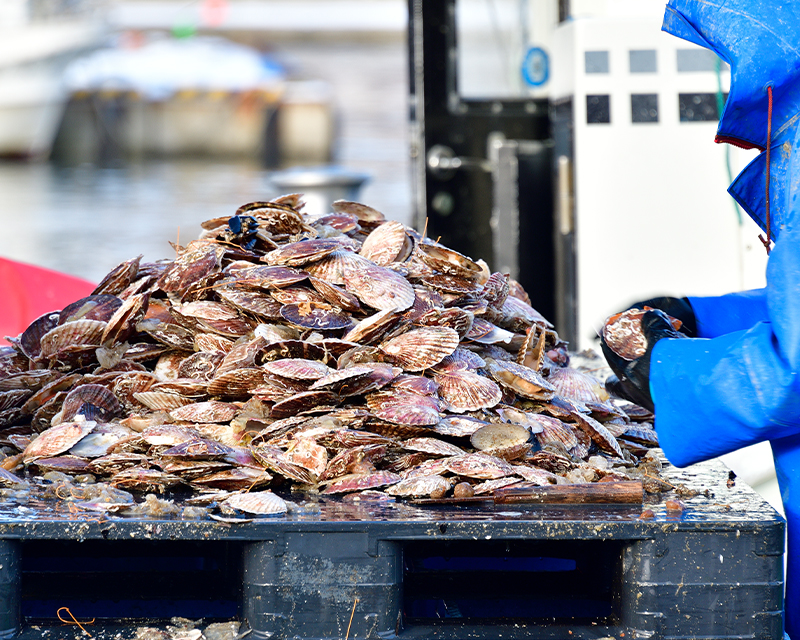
point(300, 402)
point(257, 503)
point(276, 217)
point(467, 391)
point(514, 307)
point(291, 349)
point(198, 449)
point(93, 307)
point(303, 252)
point(521, 380)
point(355, 380)
point(122, 324)
point(450, 284)
point(432, 446)
point(495, 290)
point(415, 384)
point(298, 368)
point(456, 318)
point(420, 486)
point(57, 440)
point(342, 222)
point(486, 333)
point(539, 477)
point(202, 365)
point(359, 482)
point(333, 266)
point(367, 216)
point(458, 426)
point(236, 383)
point(274, 459)
point(373, 327)
point(599, 435)
point(576, 385)
point(199, 259)
point(447, 261)
point(421, 348)
point(30, 339)
point(168, 435)
point(499, 436)
point(555, 431)
point(479, 465)
point(266, 277)
point(311, 315)
point(63, 464)
point(94, 401)
point(210, 411)
point(432, 467)
point(378, 287)
point(161, 400)
point(461, 359)
point(69, 334)
point(488, 486)
point(403, 407)
point(385, 243)
point(307, 453)
point(14, 398)
point(335, 295)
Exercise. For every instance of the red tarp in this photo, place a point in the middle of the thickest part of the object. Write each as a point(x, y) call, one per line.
point(26, 292)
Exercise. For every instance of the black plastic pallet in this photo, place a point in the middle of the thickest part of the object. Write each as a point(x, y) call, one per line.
point(332, 569)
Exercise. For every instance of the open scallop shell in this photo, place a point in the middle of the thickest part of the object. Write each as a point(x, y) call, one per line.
point(57, 440)
point(522, 380)
point(421, 348)
point(467, 391)
point(373, 327)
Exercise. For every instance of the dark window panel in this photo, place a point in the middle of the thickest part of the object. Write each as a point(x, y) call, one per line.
point(698, 107)
point(598, 109)
point(644, 107)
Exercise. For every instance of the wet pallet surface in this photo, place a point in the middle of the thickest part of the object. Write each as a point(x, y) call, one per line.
point(712, 568)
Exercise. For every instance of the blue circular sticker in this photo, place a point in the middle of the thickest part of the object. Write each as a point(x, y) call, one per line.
point(536, 67)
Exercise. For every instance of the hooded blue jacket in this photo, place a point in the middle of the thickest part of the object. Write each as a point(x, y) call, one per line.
point(738, 383)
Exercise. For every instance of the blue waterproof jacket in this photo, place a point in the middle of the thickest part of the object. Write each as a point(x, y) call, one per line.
point(738, 383)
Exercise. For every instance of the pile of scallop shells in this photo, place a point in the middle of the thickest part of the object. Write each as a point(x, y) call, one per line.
point(329, 354)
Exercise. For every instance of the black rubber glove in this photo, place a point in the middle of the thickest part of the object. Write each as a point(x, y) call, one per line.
point(679, 308)
point(633, 376)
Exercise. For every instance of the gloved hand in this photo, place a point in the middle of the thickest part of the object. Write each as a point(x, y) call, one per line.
point(679, 308)
point(633, 376)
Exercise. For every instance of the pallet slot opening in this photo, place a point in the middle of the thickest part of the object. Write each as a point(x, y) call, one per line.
point(130, 580)
point(514, 581)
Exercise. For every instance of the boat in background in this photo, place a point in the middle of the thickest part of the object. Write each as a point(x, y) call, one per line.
point(38, 39)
